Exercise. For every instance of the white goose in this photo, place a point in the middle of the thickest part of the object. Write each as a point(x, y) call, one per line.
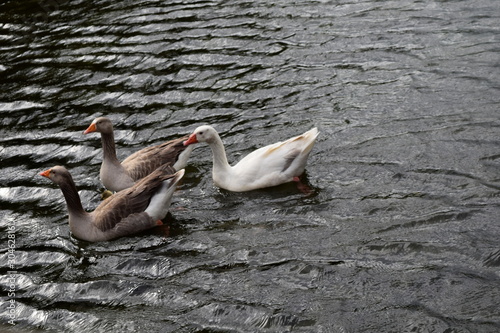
point(271, 165)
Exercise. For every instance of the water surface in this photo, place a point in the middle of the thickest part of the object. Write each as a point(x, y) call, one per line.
point(400, 233)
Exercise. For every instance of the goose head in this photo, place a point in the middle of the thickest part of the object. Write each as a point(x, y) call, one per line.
point(58, 175)
point(203, 133)
point(101, 125)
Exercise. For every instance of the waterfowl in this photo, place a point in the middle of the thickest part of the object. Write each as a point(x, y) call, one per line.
point(135, 209)
point(268, 166)
point(116, 176)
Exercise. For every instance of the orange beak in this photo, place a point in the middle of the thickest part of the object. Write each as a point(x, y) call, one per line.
point(91, 129)
point(46, 173)
point(192, 139)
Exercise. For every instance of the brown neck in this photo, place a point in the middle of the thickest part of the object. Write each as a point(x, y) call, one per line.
point(72, 198)
point(108, 147)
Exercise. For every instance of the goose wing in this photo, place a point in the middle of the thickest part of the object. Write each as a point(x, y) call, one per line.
point(142, 163)
point(128, 205)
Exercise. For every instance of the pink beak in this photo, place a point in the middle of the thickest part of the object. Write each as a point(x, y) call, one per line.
point(192, 139)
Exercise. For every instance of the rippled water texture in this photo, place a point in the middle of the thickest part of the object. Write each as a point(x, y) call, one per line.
point(401, 233)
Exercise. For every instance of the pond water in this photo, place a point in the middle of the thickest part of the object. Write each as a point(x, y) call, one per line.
point(401, 231)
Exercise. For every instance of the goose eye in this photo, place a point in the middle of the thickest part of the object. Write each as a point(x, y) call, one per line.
point(200, 133)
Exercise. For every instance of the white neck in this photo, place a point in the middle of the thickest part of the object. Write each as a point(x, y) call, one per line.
point(219, 156)
point(183, 158)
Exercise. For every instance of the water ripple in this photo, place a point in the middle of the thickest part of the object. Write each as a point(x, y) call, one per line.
point(400, 232)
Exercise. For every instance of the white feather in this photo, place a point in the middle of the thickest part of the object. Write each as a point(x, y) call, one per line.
point(160, 201)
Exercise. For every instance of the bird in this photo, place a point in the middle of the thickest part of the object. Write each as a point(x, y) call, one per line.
point(135, 209)
point(268, 166)
point(116, 176)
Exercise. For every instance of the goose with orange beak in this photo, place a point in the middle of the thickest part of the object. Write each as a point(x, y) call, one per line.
point(271, 165)
point(116, 176)
point(138, 208)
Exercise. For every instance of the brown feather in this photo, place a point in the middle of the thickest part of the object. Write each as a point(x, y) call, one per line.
point(119, 206)
point(142, 163)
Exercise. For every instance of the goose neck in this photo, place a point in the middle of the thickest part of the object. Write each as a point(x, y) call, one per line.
point(219, 154)
point(108, 147)
point(72, 199)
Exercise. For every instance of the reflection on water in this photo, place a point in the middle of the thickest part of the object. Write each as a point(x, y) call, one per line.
point(401, 231)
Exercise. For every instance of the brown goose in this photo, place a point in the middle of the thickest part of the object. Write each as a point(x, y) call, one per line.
point(116, 176)
point(127, 212)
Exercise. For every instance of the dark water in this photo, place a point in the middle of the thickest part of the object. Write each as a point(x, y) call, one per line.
point(401, 233)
